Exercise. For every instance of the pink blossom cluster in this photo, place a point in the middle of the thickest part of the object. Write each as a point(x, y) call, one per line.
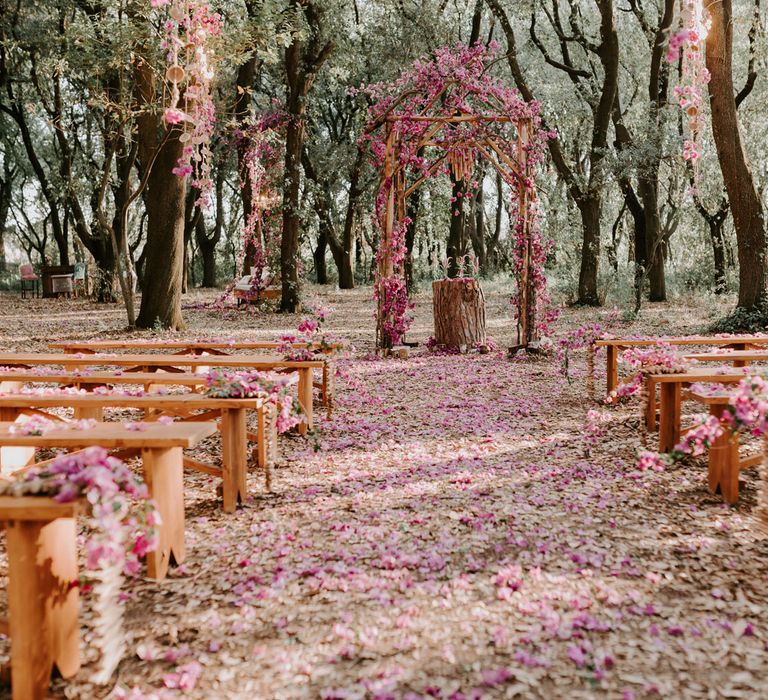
point(662, 358)
point(747, 409)
point(651, 461)
point(311, 339)
point(261, 149)
point(250, 384)
point(125, 520)
point(34, 425)
point(699, 438)
point(595, 427)
point(584, 336)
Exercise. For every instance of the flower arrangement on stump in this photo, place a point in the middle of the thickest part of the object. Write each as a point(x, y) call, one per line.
point(459, 306)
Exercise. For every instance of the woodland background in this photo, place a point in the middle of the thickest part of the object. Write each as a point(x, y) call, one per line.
point(82, 156)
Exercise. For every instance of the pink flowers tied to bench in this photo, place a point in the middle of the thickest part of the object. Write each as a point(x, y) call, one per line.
point(252, 384)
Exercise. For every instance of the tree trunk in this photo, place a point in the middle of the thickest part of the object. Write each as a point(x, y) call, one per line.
point(477, 227)
point(164, 201)
point(590, 209)
point(303, 59)
point(344, 259)
point(718, 251)
point(412, 212)
point(656, 246)
point(459, 312)
point(321, 269)
point(207, 247)
point(6, 191)
point(746, 207)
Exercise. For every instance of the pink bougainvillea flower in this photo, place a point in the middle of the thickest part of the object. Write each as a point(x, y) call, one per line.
point(174, 116)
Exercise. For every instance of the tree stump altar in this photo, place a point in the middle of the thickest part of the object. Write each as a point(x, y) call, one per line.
point(459, 311)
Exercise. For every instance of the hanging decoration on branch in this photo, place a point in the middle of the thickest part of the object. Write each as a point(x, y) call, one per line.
point(688, 44)
point(263, 147)
point(439, 118)
point(191, 28)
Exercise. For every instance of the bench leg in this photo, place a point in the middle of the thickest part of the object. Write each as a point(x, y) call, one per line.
point(42, 604)
point(95, 413)
point(724, 463)
point(650, 408)
point(305, 399)
point(612, 368)
point(163, 472)
point(234, 456)
point(669, 422)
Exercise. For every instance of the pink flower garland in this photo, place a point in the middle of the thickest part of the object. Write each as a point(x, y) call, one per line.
point(263, 163)
point(190, 27)
point(122, 536)
point(689, 41)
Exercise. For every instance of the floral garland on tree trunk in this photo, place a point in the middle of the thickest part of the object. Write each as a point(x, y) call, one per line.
point(688, 44)
point(190, 29)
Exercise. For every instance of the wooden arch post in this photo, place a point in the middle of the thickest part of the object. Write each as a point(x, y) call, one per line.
point(526, 303)
point(394, 213)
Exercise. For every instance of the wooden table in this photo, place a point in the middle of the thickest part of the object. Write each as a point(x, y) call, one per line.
point(614, 346)
point(175, 363)
point(43, 602)
point(212, 347)
point(230, 412)
point(160, 447)
point(725, 462)
point(670, 399)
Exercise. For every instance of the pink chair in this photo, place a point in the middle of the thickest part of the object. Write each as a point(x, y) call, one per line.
point(29, 281)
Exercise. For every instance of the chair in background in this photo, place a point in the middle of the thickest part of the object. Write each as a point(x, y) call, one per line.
point(29, 281)
point(79, 279)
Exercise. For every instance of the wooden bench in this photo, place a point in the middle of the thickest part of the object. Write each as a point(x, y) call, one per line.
point(614, 346)
point(230, 412)
point(213, 347)
point(254, 296)
point(724, 460)
point(160, 447)
point(671, 394)
point(12, 380)
point(43, 596)
point(179, 364)
point(737, 358)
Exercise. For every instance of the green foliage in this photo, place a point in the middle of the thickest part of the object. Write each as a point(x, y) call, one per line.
point(743, 320)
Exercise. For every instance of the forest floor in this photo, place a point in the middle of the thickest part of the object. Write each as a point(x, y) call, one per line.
point(448, 533)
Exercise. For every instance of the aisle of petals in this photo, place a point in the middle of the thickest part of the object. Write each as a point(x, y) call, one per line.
point(460, 528)
point(444, 536)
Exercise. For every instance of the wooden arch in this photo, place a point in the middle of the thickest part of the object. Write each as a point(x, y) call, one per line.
point(516, 172)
